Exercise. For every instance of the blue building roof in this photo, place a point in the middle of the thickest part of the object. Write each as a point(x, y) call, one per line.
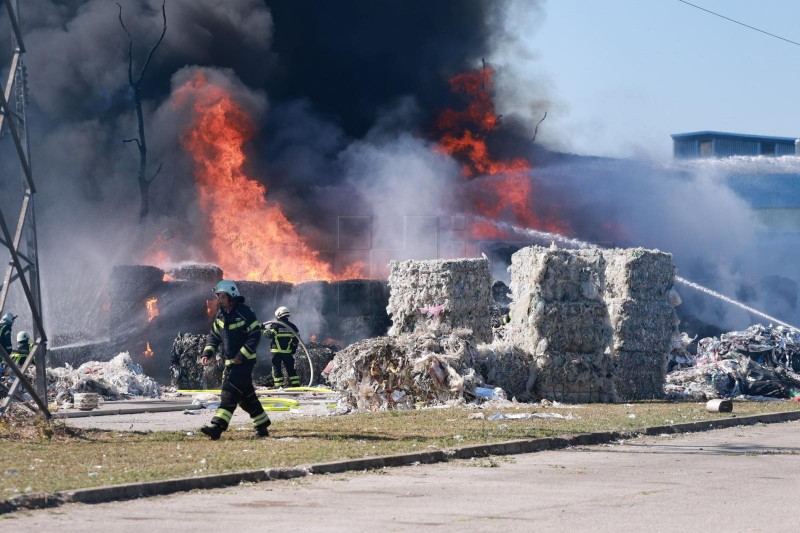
point(721, 134)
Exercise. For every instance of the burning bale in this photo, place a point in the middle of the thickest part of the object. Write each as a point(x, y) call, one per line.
point(760, 361)
point(640, 299)
point(206, 274)
point(117, 379)
point(440, 295)
point(406, 370)
point(559, 317)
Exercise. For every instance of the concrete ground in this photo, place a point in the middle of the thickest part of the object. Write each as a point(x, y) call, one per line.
point(186, 417)
point(736, 479)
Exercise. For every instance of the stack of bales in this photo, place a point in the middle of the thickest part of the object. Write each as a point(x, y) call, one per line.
point(640, 299)
point(560, 318)
point(441, 295)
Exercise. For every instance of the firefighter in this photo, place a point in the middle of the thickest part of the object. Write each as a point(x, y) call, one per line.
point(5, 331)
point(236, 331)
point(283, 346)
point(23, 348)
point(506, 318)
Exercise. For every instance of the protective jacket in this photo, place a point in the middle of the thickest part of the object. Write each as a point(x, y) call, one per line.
point(5, 336)
point(284, 339)
point(237, 332)
point(282, 347)
point(21, 353)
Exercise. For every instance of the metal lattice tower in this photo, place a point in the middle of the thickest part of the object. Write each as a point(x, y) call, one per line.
point(23, 266)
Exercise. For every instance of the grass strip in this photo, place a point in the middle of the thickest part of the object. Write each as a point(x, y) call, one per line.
point(53, 458)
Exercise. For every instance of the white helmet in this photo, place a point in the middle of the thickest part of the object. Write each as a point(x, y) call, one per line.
point(8, 318)
point(282, 312)
point(227, 286)
point(23, 336)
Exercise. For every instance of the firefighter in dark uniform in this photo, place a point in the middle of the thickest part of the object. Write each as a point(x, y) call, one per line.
point(5, 331)
point(23, 349)
point(283, 347)
point(237, 331)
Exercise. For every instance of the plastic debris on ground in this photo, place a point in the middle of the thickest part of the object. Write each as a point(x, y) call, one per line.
point(760, 362)
point(517, 416)
point(406, 371)
point(120, 378)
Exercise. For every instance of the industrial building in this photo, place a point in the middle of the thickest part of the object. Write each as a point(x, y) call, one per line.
point(713, 144)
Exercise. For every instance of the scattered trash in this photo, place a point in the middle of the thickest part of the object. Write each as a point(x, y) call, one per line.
point(719, 406)
point(476, 416)
point(517, 416)
point(86, 401)
point(758, 362)
point(117, 379)
point(405, 371)
point(496, 393)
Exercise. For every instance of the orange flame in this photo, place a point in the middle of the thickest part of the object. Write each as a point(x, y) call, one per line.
point(314, 338)
point(148, 352)
point(464, 134)
point(152, 308)
point(250, 237)
point(167, 277)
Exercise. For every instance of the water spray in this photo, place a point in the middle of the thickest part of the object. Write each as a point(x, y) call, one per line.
point(583, 245)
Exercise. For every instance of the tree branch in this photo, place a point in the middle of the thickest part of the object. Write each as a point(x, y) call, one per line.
point(155, 173)
point(130, 47)
point(536, 130)
point(153, 50)
point(132, 141)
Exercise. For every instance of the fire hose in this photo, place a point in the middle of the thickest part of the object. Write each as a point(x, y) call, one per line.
point(299, 340)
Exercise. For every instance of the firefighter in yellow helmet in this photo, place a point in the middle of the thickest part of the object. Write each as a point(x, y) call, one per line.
point(283, 347)
point(236, 332)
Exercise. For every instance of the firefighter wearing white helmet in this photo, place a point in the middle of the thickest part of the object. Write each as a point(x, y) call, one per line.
point(283, 345)
point(23, 349)
point(236, 333)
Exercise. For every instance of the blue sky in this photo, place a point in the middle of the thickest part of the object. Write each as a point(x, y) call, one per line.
point(622, 75)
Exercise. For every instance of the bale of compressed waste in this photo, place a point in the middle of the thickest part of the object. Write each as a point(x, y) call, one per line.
point(559, 317)
point(638, 273)
point(574, 377)
point(504, 365)
point(639, 375)
point(440, 295)
point(406, 370)
point(642, 325)
point(640, 297)
point(206, 274)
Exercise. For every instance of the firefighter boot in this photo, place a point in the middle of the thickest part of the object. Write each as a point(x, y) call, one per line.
point(261, 430)
point(213, 431)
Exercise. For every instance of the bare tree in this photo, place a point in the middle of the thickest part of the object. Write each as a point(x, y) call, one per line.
point(144, 181)
point(537, 127)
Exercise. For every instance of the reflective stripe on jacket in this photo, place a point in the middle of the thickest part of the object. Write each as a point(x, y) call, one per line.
point(284, 340)
point(238, 332)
